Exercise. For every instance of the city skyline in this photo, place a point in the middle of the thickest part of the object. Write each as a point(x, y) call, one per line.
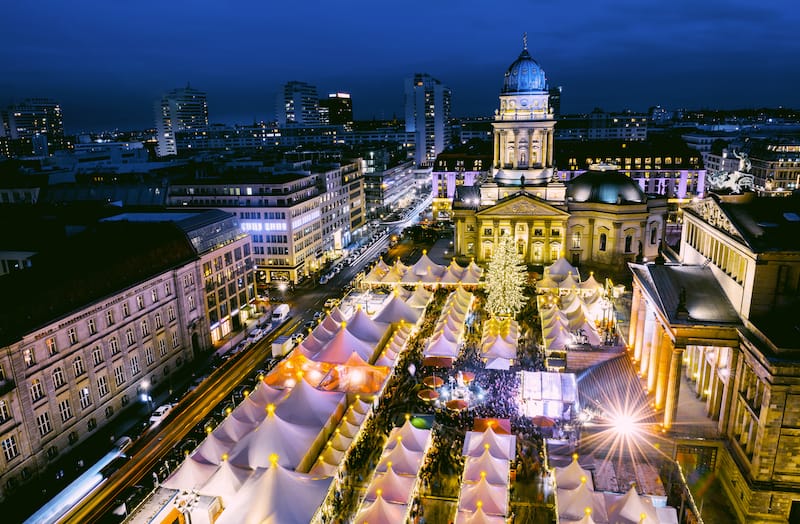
point(108, 64)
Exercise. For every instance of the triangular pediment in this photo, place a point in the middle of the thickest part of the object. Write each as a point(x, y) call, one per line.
point(522, 204)
point(712, 213)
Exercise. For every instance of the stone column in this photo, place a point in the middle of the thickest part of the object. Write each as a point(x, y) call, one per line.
point(635, 302)
point(514, 234)
point(639, 341)
point(546, 254)
point(617, 247)
point(529, 254)
point(550, 148)
point(652, 365)
point(530, 148)
point(663, 369)
point(673, 387)
point(497, 149)
point(591, 240)
point(495, 236)
point(728, 392)
point(502, 153)
point(515, 158)
point(646, 341)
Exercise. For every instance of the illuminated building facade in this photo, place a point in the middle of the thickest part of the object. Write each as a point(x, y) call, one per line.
point(33, 127)
point(183, 110)
point(724, 323)
point(128, 309)
point(298, 104)
point(427, 116)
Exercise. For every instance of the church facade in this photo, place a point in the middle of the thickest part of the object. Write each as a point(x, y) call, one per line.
point(601, 216)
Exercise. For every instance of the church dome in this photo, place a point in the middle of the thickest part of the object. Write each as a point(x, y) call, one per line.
point(525, 75)
point(604, 184)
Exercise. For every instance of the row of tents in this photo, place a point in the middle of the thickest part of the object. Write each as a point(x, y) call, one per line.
point(448, 333)
point(423, 272)
point(499, 341)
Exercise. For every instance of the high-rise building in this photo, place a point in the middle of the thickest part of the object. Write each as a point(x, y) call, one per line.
point(337, 109)
point(183, 109)
point(34, 126)
point(297, 104)
point(427, 114)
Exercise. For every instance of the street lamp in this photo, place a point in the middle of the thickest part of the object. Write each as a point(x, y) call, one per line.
point(144, 387)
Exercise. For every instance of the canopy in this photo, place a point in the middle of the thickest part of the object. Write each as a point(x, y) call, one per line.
point(395, 310)
point(226, 481)
point(491, 498)
point(276, 496)
point(364, 328)
point(413, 438)
point(338, 349)
point(591, 284)
point(212, 449)
point(495, 470)
point(499, 445)
point(404, 461)
point(420, 298)
point(559, 269)
point(193, 473)
point(478, 517)
point(572, 503)
point(381, 512)
point(274, 435)
point(394, 488)
point(629, 508)
point(308, 406)
point(569, 282)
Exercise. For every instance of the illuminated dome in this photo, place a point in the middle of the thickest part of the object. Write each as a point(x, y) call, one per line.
point(604, 184)
point(525, 75)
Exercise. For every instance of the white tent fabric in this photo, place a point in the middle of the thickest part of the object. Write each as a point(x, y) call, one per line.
point(308, 406)
point(478, 517)
point(226, 481)
point(495, 470)
point(233, 429)
point(572, 503)
point(441, 347)
point(629, 508)
point(546, 284)
point(403, 460)
point(289, 441)
point(394, 488)
point(497, 363)
point(192, 474)
point(212, 449)
point(591, 284)
point(492, 499)
point(500, 445)
point(364, 328)
point(559, 269)
point(337, 315)
point(420, 298)
point(264, 394)
point(381, 512)
point(323, 469)
point(395, 310)
point(569, 282)
point(415, 439)
point(276, 495)
point(338, 349)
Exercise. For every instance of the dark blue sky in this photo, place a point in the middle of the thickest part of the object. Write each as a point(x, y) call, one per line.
point(108, 61)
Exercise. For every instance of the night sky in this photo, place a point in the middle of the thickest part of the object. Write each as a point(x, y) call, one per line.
point(108, 61)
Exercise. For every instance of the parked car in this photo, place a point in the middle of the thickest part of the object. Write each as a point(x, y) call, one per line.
point(331, 303)
point(297, 338)
point(256, 334)
point(159, 414)
point(318, 315)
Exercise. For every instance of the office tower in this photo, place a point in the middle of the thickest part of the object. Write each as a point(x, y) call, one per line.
point(34, 126)
point(427, 113)
point(297, 104)
point(180, 110)
point(337, 109)
point(555, 100)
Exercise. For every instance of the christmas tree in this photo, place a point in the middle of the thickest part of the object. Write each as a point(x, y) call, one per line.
point(505, 281)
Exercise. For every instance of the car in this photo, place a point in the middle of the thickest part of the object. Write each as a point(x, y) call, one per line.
point(318, 315)
point(297, 338)
point(310, 324)
point(159, 414)
point(241, 346)
point(324, 280)
point(331, 303)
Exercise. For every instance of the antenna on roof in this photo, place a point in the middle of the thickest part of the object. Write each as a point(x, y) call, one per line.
point(525, 40)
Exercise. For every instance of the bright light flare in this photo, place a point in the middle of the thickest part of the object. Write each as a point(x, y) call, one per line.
point(625, 424)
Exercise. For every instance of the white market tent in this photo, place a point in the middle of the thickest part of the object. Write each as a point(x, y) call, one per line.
point(413, 438)
point(394, 488)
point(193, 473)
point(403, 460)
point(559, 269)
point(500, 445)
point(381, 512)
point(364, 328)
point(478, 517)
point(492, 499)
point(495, 470)
point(572, 503)
point(226, 481)
point(276, 495)
point(396, 309)
point(573, 475)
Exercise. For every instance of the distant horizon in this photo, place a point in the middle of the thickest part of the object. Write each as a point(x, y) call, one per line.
point(108, 63)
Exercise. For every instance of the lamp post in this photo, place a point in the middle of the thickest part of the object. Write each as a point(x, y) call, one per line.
point(144, 387)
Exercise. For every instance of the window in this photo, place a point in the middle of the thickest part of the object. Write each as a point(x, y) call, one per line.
point(119, 375)
point(175, 340)
point(171, 313)
point(537, 232)
point(5, 411)
point(102, 386)
point(113, 345)
point(92, 326)
point(487, 231)
point(85, 398)
point(126, 309)
point(110, 317)
point(653, 235)
point(77, 366)
point(72, 335)
point(91, 424)
point(97, 355)
point(52, 349)
point(109, 411)
point(130, 337)
point(162, 348)
point(140, 302)
point(628, 243)
point(154, 295)
point(576, 240)
point(58, 377)
point(167, 289)
point(188, 280)
point(65, 410)
point(134, 364)
point(555, 232)
point(37, 390)
point(145, 328)
point(159, 321)
point(43, 423)
point(148, 355)
point(190, 302)
point(2, 373)
point(29, 356)
point(603, 241)
point(9, 446)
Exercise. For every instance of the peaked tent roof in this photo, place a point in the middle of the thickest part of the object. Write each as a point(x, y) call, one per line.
point(276, 495)
point(591, 283)
point(364, 327)
point(395, 310)
point(381, 512)
point(213, 448)
point(572, 503)
point(338, 349)
point(493, 499)
point(191, 474)
point(559, 269)
point(478, 517)
point(500, 445)
point(412, 437)
point(496, 470)
point(337, 315)
point(404, 461)
point(226, 481)
point(289, 441)
point(309, 406)
point(394, 488)
point(629, 508)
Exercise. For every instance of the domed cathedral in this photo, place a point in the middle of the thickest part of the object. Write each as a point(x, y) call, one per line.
point(601, 216)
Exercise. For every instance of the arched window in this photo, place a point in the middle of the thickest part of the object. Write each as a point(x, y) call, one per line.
point(603, 239)
point(628, 243)
point(576, 240)
point(653, 235)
